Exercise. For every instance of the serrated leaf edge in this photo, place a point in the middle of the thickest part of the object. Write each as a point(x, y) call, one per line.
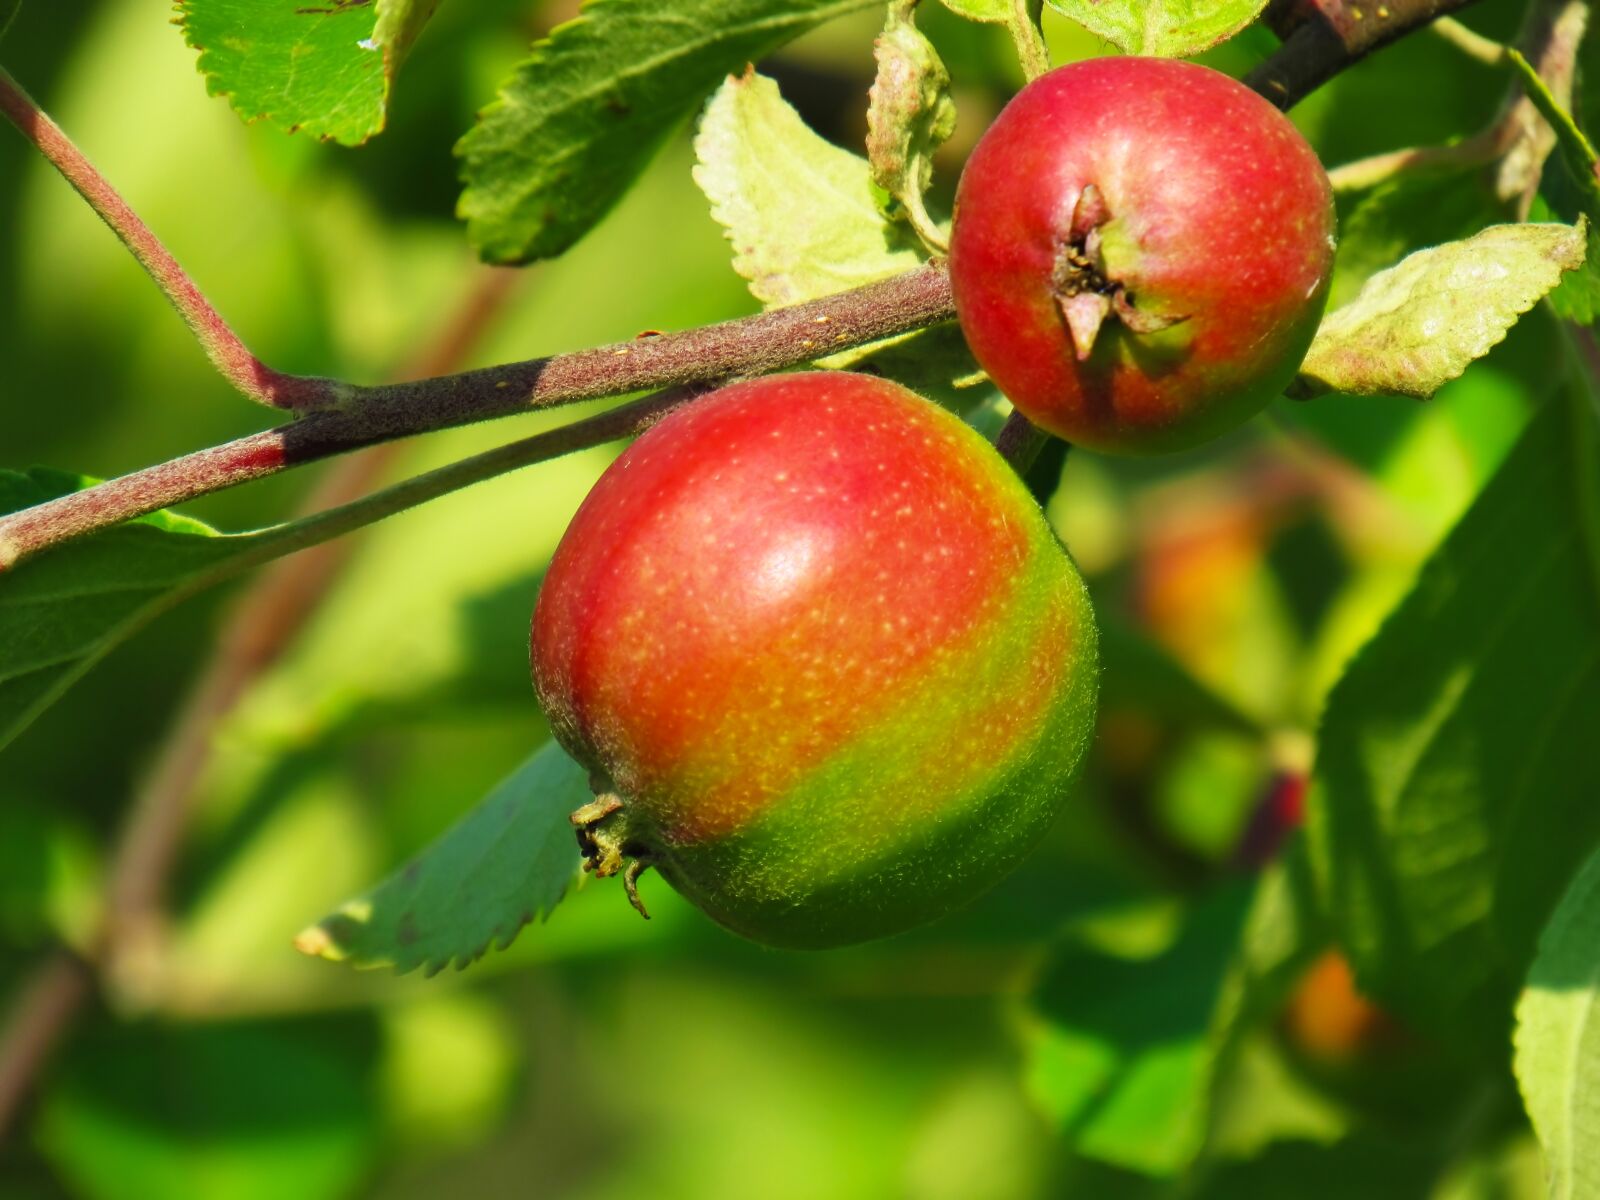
point(215, 87)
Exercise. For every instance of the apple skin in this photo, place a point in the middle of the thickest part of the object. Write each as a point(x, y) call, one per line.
point(828, 665)
point(1215, 223)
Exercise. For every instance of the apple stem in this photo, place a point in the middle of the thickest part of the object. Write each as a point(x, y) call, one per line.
point(1474, 45)
point(1023, 21)
point(1019, 442)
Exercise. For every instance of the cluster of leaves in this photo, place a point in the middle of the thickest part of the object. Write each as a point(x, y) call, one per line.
point(1452, 851)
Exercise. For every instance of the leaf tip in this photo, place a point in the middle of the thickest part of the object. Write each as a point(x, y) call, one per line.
point(315, 942)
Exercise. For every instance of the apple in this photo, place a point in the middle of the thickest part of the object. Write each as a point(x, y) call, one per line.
point(1140, 253)
point(829, 668)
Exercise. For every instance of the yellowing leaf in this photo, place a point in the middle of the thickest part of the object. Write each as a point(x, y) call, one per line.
point(1416, 326)
point(799, 211)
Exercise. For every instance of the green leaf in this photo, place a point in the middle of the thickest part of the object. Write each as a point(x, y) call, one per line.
point(1373, 1165)
point(804, 222)
point(1576, 150)
point(1558, 1040)
point(1456, 772)
point(62, 611)
point(1419, 324)
point(1577, 189)
point(1578, 296)
point(324, 67)
point(1168, 28)
point(1120, 1048)
point(1405, 214)
point(995, 12)
point(506, 863)
point(909, 115)
point(1142, 676)
point(247, 1112)
point(799, 211)
point(587, 110)
point(8, 13)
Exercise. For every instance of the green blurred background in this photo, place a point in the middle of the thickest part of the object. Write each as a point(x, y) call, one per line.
point(602, 1056)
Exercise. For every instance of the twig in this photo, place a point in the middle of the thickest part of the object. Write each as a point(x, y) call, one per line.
point(1321, 41)
point(1019, 442)
point(1478, 150)
point(257, 631)
point(47, 1004)
point(1474, 45)
point(770, 341)
point(1549, 39)
point(260, 627)
point(223, 347)
point(1313, 53)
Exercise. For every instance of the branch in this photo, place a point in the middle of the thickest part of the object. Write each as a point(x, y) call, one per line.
point(1552, 31)
point(770, 341)
point(1323, 37)
point(1474, 45)
point(260, 627)
point(48, 1002)
point(1019, 442)
point(227, 352)
point(1314, 51)
point(257, 631)
point(1478, 150)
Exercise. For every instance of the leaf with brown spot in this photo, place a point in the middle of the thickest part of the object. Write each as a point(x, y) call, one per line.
point(508, 861)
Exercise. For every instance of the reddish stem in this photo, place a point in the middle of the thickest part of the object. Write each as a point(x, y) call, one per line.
point(40, 1014)
point(222, 346)
point(770, 341)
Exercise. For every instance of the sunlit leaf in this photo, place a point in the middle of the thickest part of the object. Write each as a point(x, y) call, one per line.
point(1169, 28)
point(588, 109)
point(994, 11)
point(1120, 1048)
point(1419, 324)
point(799, 211)
point(1456, 770)
point(1558, 1040)
point(323, 67)
point(506, 863)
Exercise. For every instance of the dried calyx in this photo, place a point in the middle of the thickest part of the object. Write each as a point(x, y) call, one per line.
point(1085, 294)
point(606, 848)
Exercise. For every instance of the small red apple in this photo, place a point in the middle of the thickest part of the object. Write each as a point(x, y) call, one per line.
point(1141, 253)
point(829, 667)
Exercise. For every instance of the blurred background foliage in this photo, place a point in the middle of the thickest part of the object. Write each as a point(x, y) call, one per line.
point(1042, 1043)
